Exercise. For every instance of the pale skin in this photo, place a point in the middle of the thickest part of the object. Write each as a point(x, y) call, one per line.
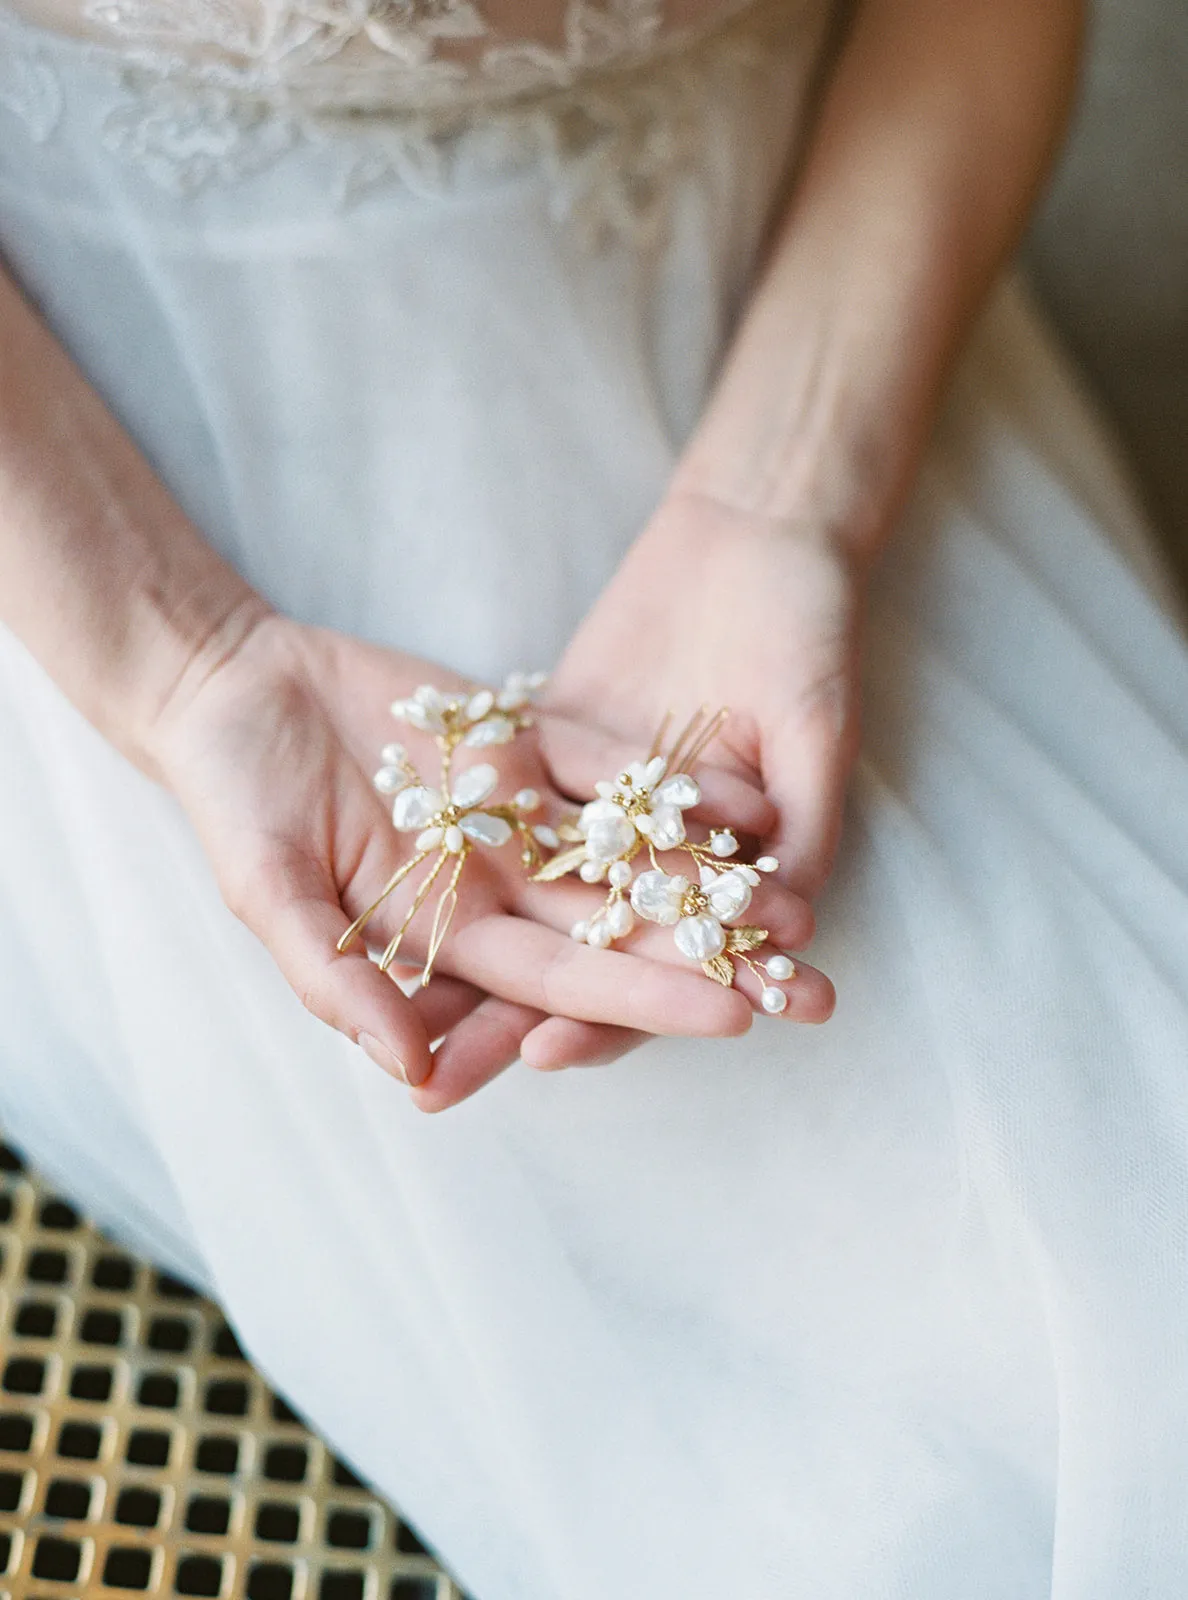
point(935, 129)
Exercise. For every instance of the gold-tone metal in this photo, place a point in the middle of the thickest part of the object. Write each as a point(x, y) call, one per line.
point(419, 899)
point(142, 1455)
point(393, 882)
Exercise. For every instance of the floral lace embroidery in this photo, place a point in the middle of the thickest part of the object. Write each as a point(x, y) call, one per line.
point(611, 140)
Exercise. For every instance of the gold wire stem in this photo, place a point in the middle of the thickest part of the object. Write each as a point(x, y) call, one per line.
point(419, 899)
point(365, 917)
point(657, 743)
point(704, 739)
point(687, 733)
point(442, 917)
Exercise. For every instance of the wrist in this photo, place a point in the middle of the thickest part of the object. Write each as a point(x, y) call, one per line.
point(179, 637)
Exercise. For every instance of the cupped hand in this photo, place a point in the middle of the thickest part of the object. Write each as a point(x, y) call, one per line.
point(724, 608)
point(272, 754)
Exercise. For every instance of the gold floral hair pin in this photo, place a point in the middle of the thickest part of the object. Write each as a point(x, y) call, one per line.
point(640, 812)
point(451, 819)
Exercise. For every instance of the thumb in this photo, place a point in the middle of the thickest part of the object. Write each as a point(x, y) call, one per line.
point(290, 901)
point(806, 762)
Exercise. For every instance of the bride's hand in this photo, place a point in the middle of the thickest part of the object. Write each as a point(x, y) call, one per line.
point(715, 607)
point(272, 754)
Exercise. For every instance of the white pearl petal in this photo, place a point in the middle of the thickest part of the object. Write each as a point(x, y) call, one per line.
point(390, 780)
point(596, 811)
point(453, 839)
point(747, 874)
point(767, 864)
point(654, 770)
point(607, 838)
point(679, 790)
point(512, 699)
point(547, 836)
point(729, 897)
point(495, 730)
point(599, 935)
point(429, 840)
point(723, 842)
point(415, 807)
point(399, 709)
point(637, 771)
point(393, 754)
point(658, 897)
point(666, 827)
point(773, 1001)
point(780, 968)
point(478, 705)
point(620, 919)
point(418, 717)
point(700, 937)
point(475, 785)
point(526, 800)
point(579, 931)
point(604, 790)
point(619, 874)
point(486, 829)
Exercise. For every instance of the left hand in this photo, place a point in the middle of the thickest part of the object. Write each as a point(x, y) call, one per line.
point(725, 608)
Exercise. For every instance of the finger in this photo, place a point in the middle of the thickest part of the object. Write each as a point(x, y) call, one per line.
point(443, 1004)
point(808, 994)
point(806, 767)
point(532, 965)
point(475, 1051)
point(560, 1042)
point(290, 902)
point(579, 756)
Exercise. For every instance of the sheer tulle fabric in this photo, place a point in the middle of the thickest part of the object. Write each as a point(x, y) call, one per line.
point(890, 1308)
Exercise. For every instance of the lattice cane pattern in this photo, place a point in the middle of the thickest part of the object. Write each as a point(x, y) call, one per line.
point(142, 1455)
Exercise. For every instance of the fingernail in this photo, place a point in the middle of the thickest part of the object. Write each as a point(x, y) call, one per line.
point(382, 1056)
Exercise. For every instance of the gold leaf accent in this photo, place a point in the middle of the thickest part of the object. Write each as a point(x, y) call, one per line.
point(567, 861)
point(720, 969)
point(740, 940)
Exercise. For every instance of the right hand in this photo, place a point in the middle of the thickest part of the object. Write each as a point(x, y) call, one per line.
point(271, 753)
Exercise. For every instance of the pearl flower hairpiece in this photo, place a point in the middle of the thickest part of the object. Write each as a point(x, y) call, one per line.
point(640, 812)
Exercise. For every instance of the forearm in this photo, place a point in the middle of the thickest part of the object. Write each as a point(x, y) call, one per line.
point(935, 131)
point(102, 576)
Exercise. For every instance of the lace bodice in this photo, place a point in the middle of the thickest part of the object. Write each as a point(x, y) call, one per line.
point(371, 55)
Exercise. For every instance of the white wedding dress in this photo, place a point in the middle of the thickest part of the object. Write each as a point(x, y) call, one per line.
point(413, 318)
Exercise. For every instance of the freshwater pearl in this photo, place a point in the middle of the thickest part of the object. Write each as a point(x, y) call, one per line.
point(526, 800)
point(416, 807)
point(590, 871)
point(393, 754)
point(620, 919)
point(679, 790)
point(453, 839)
point(700, 937)
point(773, 1001)
point(547, 836)
point(780, 968)
point(479, 704)
point(496, 730)
point(599, 935)
point(658, 897)
point(390, 780)
point(767, 864)
point(579, 932)
point(487, 830)
point(619, 875)
point(723, 842)
point(474, 785)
